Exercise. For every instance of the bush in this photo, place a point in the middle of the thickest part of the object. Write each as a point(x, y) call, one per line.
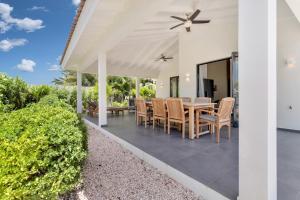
point(13, 92)
point(148, 91)
point(42, 150)
point(61, 93)
point(120, 104)
point(38, 92)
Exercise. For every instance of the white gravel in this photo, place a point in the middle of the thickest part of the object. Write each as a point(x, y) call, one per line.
point(112, 172)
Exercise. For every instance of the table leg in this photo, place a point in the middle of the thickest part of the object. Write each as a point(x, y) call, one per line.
point(191, 123)
point(197, 121)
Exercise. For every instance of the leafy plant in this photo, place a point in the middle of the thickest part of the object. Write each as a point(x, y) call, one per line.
point(38, 92)
point(120, 104)
point(13, 92)
point(42, 150)
point(148, 91)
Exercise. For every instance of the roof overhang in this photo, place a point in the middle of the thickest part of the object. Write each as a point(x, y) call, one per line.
point(133, 33)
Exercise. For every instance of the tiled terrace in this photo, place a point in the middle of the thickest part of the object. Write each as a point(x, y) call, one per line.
point(215, 165)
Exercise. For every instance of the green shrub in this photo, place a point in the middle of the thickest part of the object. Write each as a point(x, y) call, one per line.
point(120, 104)
point(42, 150)
point(61, 93)
point(53, 100)
point(13, 92)
point(148, 91)
point(38, 92)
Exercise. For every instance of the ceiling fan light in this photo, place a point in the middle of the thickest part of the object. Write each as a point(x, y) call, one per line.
point(188, 24)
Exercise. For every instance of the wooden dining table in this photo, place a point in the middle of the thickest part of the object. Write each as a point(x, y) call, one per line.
point(191, 107)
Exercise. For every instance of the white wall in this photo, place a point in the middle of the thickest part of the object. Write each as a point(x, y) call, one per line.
point(163, 81)
point(204, 43)
point(288, 78)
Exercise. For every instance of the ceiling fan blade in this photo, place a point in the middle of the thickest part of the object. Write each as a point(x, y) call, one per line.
point(176, 26)
point(169, 58)
point(194, 15)
point(200, 21)
point(188, 29)
point(179, 18)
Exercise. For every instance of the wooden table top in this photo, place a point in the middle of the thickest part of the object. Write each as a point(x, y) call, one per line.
point(190, 104)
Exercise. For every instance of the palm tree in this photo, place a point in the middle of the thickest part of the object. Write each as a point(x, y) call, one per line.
point(70, 78)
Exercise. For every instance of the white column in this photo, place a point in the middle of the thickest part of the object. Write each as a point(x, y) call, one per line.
point(137, 87)
point(79, 92)
point(102, 89)
point(257, 80)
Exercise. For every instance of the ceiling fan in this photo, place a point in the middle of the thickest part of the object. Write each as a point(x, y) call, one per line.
point(164, 58)
point(189, 20)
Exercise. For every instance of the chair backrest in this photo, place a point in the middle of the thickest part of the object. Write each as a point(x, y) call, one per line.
point(225, 108)
point(140, 106)
point(202, 100)
point(175, 108)
point(186, 99)
point(159, 108)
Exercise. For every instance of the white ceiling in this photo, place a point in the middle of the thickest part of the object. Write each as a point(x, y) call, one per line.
point(136, 32)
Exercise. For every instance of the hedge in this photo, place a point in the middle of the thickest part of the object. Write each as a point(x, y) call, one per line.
point(42, 150)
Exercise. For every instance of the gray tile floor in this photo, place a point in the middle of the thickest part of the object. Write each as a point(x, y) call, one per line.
point(213, 165)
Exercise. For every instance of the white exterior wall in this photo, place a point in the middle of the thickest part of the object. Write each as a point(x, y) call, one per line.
point(288, 78)
point(204, 43)
point(163, 81)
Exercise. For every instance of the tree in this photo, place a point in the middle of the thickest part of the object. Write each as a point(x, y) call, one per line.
point(70, 78)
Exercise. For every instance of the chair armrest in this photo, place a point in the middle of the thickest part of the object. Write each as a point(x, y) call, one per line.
point(206, 111)
point(186, 112)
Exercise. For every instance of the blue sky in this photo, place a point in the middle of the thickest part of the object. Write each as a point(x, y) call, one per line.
point(33, 35)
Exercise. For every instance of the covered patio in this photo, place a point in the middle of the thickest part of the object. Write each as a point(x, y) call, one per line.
point(216, 166)
point(126, 38)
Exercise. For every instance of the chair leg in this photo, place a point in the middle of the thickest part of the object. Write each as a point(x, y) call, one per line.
point(169, 127)
point(153, 122)
point(165, 125)
point(229, 131)
point(145, 122)
point(218, 134)
point(183, 131)
point(178, 127)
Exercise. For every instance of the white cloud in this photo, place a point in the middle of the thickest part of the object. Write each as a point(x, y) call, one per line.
point(28, 24)
point(4, 27)
point(54, 68)
point(7, 21)
point(38, 8)
point(8, 44)
point(26, 65)
point(76, 2)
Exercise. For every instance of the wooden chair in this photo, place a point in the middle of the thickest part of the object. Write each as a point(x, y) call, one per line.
point(186, 99)
point(199, 124)
point(203, 100)
point(176, 113)
point(92, 108)
point(141, 111)
point(221, 118)
point(159, 112)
